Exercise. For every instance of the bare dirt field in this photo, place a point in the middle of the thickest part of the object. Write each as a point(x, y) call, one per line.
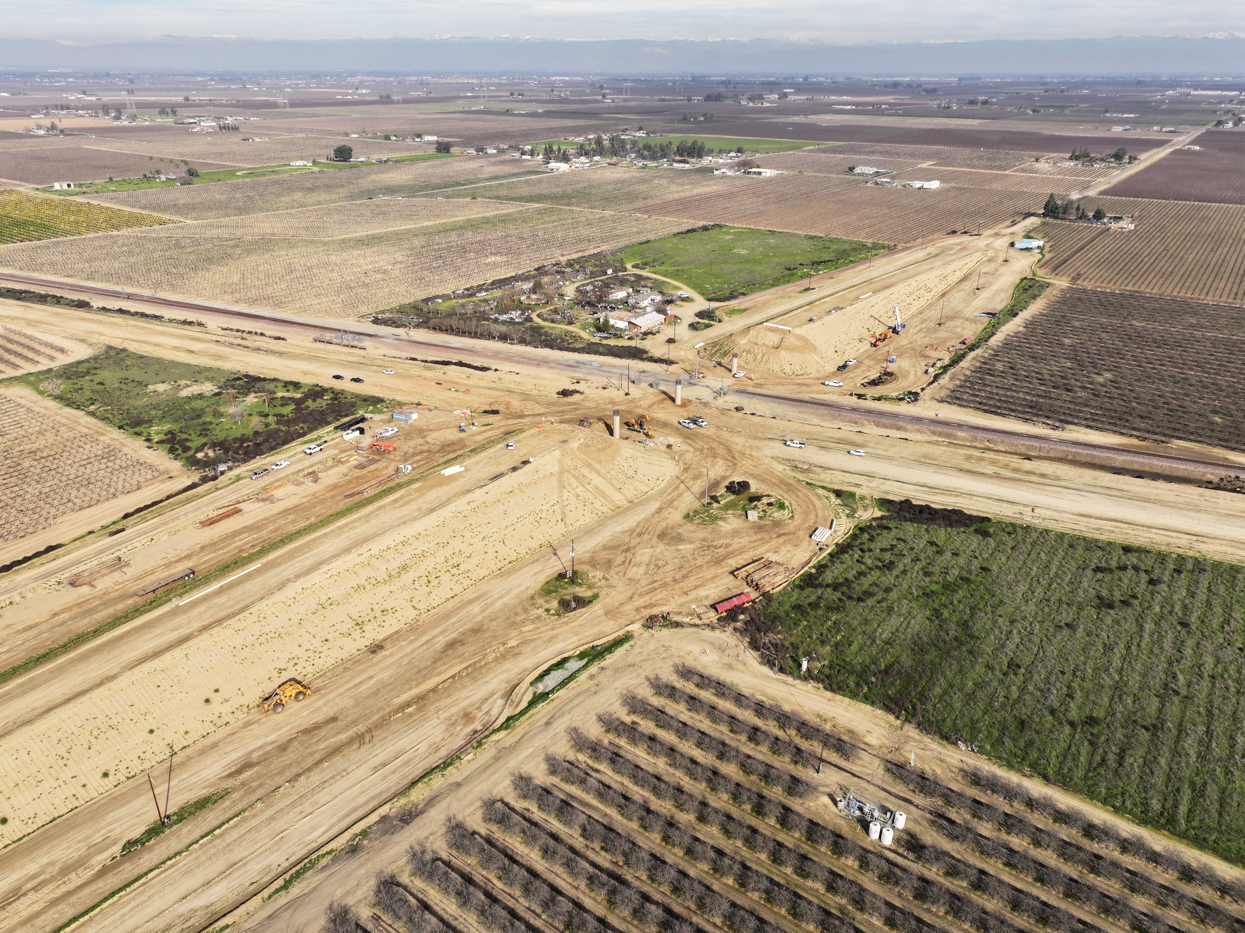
point(844, 207)
point(316, 189)
point(93, 162)
point(682, 787)
point(1178, 248)
point(1210, 170)
point(60, 463)
point(346, 275)
point(605, 189)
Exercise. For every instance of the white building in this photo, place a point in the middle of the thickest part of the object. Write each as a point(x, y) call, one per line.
point(643, 323)
point(762, 172)
point(925, 184)
point(1029, 243)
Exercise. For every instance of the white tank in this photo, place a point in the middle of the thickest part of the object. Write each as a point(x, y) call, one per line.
point(875, 829)
point(899, 818)
point(888, 835)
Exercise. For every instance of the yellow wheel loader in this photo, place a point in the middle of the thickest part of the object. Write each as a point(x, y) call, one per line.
point(293, 690)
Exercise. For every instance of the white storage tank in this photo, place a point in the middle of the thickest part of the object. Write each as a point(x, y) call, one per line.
point(888, 835)
point(899, 818)
point(875, 829)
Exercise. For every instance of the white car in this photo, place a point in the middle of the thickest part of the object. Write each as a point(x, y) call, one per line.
point(387, 372)
point(281, 464)
point(699, 422)
point(313, 449)
point(690, 425)
point(739, 374)
point(510, 445)
point(797, 444)
point(834, 383)
point(857, 453)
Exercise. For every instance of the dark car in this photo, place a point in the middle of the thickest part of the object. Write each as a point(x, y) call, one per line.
point(260, 473)
point(356, 378)
point(338, 376)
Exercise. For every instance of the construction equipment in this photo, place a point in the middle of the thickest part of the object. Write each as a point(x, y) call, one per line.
point(876, 340)
point(640, 424)
point(381, 447)
point(899, 325)
point(293, 690)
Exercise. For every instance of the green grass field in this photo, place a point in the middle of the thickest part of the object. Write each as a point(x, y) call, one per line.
point(722, 263)
point(1117, 672)
point(230, 174)
point(197, 414)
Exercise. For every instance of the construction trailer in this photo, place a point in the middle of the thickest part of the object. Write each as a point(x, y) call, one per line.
point(178, 577)
point(406, 417)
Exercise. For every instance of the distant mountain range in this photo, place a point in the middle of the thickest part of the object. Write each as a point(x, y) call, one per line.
point(1159, 56)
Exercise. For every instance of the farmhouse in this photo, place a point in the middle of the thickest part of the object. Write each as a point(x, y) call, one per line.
point(762, 172)
point(645, 323)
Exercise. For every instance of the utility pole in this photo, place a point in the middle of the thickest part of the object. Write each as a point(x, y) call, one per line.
point(168, 786)
point(572, 574)
point(706, 486)
point(152, 784)
point(820, 755)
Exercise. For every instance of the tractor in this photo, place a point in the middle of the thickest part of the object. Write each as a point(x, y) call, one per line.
point(293, 689)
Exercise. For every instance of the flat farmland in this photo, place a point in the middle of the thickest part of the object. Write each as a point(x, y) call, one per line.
point(53, 468)
point(350, 218)
point(344, 275)
point(1214, 173)
point(953, 137)
point(994, 180)
point(829, 161)
point(1177, 248)
point(315, 189)
point(1117, 362)
point(845, 207)
point(604, 189)
point(464, 128)
point(25, 217)
point(45, 165)
point(990, 160)
point(1108, 669)
point(691, 803)
point(267, 148)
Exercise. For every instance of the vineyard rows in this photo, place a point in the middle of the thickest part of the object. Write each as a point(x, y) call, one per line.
point(345, 276)
point(605, 189)
point(831, 161)
point(1177, 248)
point(1012, 181)
point(315, 189)
point(662, 823)
point(25, 217)
point(843, 207)
point(1213, 173)
point(228, 150)
point(999, 160)
point(1117, 363)
point(1004, 634)
point(52, 469)
point(20, 351)
point(351, 218)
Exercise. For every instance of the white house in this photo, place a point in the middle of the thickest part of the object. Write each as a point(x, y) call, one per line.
point(762, 172)
point(644, 323)
point(925, 184)
point(558, 167)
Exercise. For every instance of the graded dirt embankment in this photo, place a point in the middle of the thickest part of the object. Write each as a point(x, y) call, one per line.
point(78, 749)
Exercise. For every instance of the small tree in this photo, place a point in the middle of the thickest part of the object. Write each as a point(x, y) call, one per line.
point(1100, 214)
point(344, 153)
point(1120, 154)
point(192, 171)
point(443, 146)
point(1052, 208)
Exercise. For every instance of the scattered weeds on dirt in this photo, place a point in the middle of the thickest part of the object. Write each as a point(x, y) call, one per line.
point(157, 829)
point(1109, 669)
point(199, 415)
point(722, 263)
point(1027, 291)
point(737, 500)
point(300, 872)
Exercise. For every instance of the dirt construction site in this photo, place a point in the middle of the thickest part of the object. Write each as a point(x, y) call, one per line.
point(419, 605)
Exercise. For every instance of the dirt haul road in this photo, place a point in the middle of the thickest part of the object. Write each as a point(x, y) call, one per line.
point(358, 748)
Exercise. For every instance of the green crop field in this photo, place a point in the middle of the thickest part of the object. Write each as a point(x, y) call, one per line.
point(1115, 671)
point(197, 414)
point(722, 263)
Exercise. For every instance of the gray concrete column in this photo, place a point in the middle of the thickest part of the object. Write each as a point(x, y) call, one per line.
point(617, 424)
point(678, 391)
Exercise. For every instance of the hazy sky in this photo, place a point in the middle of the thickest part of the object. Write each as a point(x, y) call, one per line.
point(835, 21)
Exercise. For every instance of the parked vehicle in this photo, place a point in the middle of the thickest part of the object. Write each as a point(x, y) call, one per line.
point(687, 424)
point(356, 379)
point(510, 445)
point(260, 473)
point(313, 449)
point(281, 464)
point(834, 383)
point(738, 374)
point(845, 364)
point(387, 432)
point(856, 453)
point(797, 444)
point(387, 372)
point(698, 421)
point(338, 376)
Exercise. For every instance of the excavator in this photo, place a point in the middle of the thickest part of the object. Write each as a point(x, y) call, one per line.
point(640, 424)
point(380, 447)
point(292, 690)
